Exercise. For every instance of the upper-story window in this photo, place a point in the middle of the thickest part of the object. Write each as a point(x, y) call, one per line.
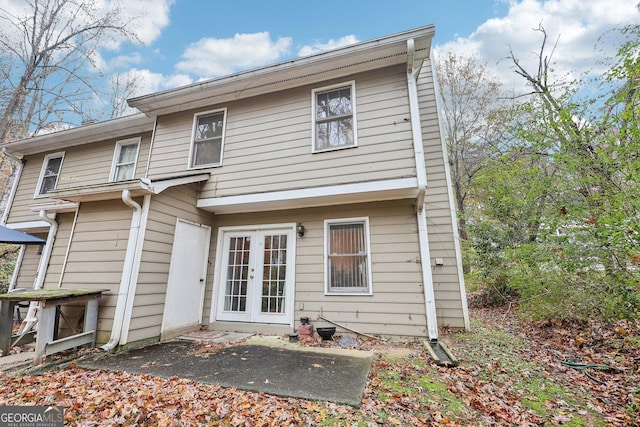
point(208, 138)
point(49, 173)
point(347, 256)
point(125, 158)
point(334, 118)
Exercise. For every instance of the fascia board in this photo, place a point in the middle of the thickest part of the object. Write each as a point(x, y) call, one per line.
point(113, 190)
point(108, 191)
point(110, 129)
point(383, 52)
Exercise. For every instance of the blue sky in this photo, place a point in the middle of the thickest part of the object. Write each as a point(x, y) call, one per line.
point(308, 22)
point(184, 41)
point(189, 40)
point(303, 24)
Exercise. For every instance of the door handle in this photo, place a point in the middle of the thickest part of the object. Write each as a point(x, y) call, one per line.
point(201, 280)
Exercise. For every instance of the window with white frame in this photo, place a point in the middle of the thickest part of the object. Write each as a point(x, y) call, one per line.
point(207, 140)
point(347, 256)
point(334, 118)
point(49, 174)
point(125, 158)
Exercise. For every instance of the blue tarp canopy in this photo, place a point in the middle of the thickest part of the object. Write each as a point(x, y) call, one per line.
point(8, 235)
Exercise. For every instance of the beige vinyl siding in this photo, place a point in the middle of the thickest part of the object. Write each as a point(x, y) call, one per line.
point(439, 223)
point(25, 191)
point(397, 304)
point(29, 266)
point(96, 255)
point(267, 143)
point(164, 210)
point(88, 164)
point(59, 250)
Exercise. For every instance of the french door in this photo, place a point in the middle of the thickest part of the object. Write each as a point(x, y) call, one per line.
point(256, 280)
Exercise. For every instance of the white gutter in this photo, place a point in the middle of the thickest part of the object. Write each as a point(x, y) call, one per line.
point(127, 270)
point(421, 174)
point(14, 185)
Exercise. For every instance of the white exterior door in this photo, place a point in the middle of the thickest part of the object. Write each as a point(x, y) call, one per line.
point(256, 280)
point(187, 276)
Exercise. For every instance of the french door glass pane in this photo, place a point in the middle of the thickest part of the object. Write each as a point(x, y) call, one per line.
point(274, 274)
point(235, 298)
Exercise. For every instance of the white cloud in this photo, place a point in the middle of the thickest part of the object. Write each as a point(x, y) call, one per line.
point(150, 17)
point(331, 44)
point(149, 82)
point(211, 57)
point(146, 18)
point(577, 26)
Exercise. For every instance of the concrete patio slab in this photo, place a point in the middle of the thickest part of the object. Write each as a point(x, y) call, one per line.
point(261, 365)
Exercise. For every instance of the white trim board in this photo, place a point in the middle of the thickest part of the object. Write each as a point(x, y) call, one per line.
point(312, 197)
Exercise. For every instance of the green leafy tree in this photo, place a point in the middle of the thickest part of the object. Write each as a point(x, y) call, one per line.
point(559, 215)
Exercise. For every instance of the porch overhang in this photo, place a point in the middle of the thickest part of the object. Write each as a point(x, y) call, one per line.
point(404, 188)
point(365, 56)
point(113, 190)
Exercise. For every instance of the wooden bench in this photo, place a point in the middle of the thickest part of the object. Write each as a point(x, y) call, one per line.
point(50, 300)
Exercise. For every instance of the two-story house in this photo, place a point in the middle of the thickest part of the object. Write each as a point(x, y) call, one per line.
point(313, 187)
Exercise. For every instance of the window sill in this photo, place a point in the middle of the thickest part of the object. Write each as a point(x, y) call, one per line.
point(325, 150)
point(348, 293)
point(205, 167)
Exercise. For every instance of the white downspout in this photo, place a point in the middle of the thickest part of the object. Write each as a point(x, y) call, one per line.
point(46, 251)
point(14, 185)
point(421, 174)
point(16, 269)
point(66, 254)
point(5, 215)
point(31, 318)
point(127, 269)
point(452, 207)
point(137, 257)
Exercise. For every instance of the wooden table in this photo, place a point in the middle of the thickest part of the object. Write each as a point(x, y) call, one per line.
point(49, 300)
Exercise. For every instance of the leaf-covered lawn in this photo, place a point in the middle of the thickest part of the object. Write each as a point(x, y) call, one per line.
point(509, 374)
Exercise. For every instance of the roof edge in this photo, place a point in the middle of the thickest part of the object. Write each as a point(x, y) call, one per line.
point(148, 103)
point(112, 128)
